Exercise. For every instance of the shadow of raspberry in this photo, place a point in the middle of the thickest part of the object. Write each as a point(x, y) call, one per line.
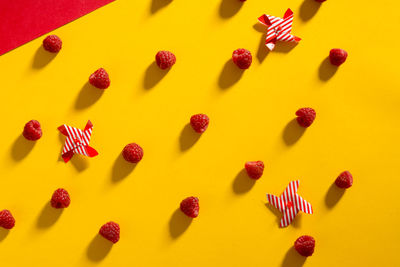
point(188, 137)
point(326, 70)
point(229, 8)
point(308, 9)
point(42, 58)
point(178, 223)
point(121, 169)
point(333, 195)
point(98, 248)
point(293, 259)
point(88, 96)
point(153, 76)
point(48, 216)
point(156, 5)
point(242, 183)
point(3, 233)
point(21, 148)
point(230, 75)
point(292, 132)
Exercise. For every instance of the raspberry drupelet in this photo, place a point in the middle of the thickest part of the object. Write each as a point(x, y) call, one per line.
point(32, 130)
point(132, 153)
point(242, 58)
point(190, 207)
point(110, 231)
point(305, 245)
point(52, 43)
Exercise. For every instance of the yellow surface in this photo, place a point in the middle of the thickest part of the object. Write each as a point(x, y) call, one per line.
point(357, 129)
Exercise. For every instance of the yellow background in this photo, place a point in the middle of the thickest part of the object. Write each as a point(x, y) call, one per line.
point(356, 129)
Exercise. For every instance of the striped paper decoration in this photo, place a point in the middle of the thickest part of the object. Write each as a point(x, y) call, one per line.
point(290, 203)
point(77, 141)
point(278, 29)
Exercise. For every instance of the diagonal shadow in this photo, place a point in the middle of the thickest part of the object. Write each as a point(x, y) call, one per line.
point(308, 9)
point(121, 169)
point(3, 233)
point(275, 211)
point(230, 75)
point(156, 5)
point(242, 183)
point(42, 58)
point(178, 223)
point(153, 76)
point(326, 70)
point(88, 96)
point(292, 132)
point(333, 195)
point(262, 51)
point(293, 259)
point(284, 47)
point(21, 148)
point(48, 216)
point(229, 8)
point(188, 137)
point(80, 162)
point(98, 248)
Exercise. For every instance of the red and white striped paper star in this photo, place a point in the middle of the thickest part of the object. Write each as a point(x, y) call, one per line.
point(278, 29)
point(290, 203)
point(77, 141)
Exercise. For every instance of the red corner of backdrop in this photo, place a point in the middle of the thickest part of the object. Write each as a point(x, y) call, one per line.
point(25, 20)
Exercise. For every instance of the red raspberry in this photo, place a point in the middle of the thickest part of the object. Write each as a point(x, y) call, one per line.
point(165, 59)
point(132, 153)
point(52, 43)
point(190, 206)
point(32, 130)
point(242, 58)
point(7, 221)
point(305, 245)
point(337, 56)
point(100, 79)
point(305, 116)
point(254, 169)
point(110, 231)
point(199, 122)
point(60, 199)
point(344, 180)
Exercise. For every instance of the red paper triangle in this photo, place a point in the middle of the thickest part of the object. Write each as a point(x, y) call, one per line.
point(22, 21)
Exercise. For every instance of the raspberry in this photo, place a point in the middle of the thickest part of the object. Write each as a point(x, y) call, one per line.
point(52, 43)
point(110, 231)
point(7, 221)
point(165, 59)
point(242, 58)
point(60, 199)
point(190, 206)
point(337, 56)
point(32, 130)
point(305, 116)
point(199, 122)
point(100, 79)
point(344, 180)
point(305, 245)
point(254, 169)
point(132, 153)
